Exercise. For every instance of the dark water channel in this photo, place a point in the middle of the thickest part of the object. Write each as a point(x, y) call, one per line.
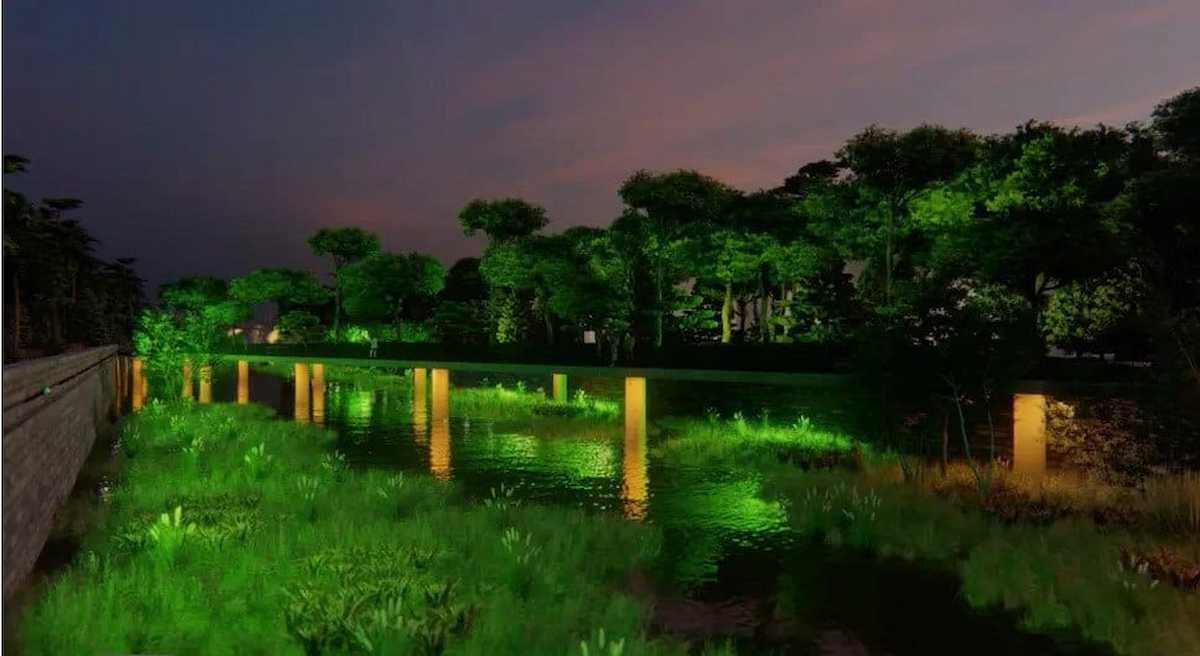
point(730, 567)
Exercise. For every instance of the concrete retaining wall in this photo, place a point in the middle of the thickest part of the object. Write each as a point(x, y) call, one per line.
point(53, 410)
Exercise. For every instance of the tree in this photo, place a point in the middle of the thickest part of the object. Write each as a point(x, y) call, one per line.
point(343, 246)
point(300, 327)
point(503, 220)
point(286, 288)
point(887, 170)
point(729, 257)
point(378, 287)
point(1176, 125)
point(509, 223)
point(668, 203)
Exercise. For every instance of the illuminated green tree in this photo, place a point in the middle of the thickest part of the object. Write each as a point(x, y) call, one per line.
point(667, 204)
point(343, 246)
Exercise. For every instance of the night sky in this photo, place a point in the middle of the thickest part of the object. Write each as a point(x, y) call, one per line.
point(214, 137)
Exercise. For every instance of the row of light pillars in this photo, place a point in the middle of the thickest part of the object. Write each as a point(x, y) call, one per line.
point(1029, 415)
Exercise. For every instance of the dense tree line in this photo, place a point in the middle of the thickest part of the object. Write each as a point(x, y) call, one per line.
point(57, 293)
point(930, 249)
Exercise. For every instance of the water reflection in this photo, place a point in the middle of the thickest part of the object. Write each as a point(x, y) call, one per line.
point(635, 480)
point(420, 406)
point(439, 433)
point(302, 389)
point(318, 393)
point(1029, 435)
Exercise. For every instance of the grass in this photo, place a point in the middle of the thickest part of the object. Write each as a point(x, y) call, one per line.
point(1057, 549)
point(742, 442)
point(516, 403)
point(1066, 576)
point(257, 540)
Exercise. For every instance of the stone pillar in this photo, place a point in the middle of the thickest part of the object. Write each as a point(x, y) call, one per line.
point(1029, 435)
point(635, 481)
point(187, 379)
point(243, 384)
point(137, 395)
point(559, 385)
point(206, 384)
point(439, 427)
point(302, 389)
point(318, 393)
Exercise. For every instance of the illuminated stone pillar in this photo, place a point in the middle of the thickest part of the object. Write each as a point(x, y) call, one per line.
point(318, 393)
point(420, 410)
point(243, 389)
point(137, 395)
point(187, 379)
point(1029, 435)
point(302, 388)
point(206, 384)
point(560, 387)
point(439, 427)
point(635, 480)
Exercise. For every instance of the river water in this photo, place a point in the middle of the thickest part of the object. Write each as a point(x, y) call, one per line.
point(730, 564)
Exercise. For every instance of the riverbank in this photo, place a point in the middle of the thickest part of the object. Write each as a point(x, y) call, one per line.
point(1070, 554)
point(233, 532)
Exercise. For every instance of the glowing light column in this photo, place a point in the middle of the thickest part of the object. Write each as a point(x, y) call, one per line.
point(138, 396)
point(206, 384)
point(302, 391)
point(243, 390)
point(635, 479)
point(420, 409)
point(318, 393)
point(559, 385)
point(187, 379)
point(1029, 435)
point(439, 434)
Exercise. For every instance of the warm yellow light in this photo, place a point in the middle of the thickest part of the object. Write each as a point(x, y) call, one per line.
point(137, 395)
point(243, 385)
point(635, 483)
point(419, 402)
point(1029, 435)
point(439, 434)
point(187, 379)
point(206, 384)
point(318, 393)
point(302, 391)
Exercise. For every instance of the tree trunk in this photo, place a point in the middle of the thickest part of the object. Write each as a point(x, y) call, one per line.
point(337, 310)
point(726, 310)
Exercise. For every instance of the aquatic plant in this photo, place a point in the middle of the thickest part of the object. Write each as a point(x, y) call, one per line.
point(599, 645)
point(169, 533)
point(502, 499)
point(258, 461)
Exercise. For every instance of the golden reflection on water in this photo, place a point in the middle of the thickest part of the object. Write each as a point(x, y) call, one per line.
point(635, 481)
point(439, 434)
point(140, 387)
point(302, 391)
point(243, 384)
point(420, 410)
point(206, 384)
point(1029, 435)
point(318, 393)
point(187, 379)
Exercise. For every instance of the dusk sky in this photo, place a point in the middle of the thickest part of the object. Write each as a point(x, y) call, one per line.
point(215, 137)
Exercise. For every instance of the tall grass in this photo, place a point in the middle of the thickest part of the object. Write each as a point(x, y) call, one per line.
point(1065, 576)
point(304, 556)
point(516, 403)
point(716, 441)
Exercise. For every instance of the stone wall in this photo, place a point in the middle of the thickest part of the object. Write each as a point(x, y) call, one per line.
point(53, 410)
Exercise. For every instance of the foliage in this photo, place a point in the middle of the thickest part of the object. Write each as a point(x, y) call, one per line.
point(336, 568)
point(299, 327)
